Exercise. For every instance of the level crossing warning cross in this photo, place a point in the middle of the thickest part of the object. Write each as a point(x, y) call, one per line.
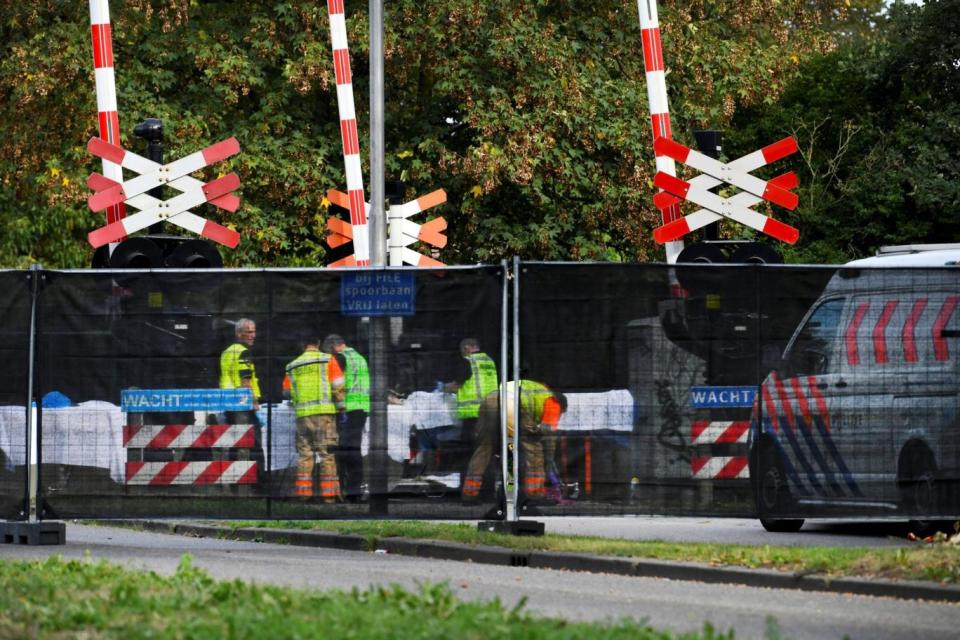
point(737, 207)
point(403, 232)
point(175, 174)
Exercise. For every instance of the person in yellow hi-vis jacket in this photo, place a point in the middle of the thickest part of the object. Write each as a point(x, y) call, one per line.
point(237, 371)
point(315, 383)
point(540, 410)
point(476, 378)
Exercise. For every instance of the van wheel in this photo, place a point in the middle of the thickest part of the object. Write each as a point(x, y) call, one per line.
point(773, 494)
point(921, 492)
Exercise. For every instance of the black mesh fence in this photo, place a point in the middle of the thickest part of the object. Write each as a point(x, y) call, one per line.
point(787, 392)
point(783, 392)
point(15, 300)
point(860, 415)
point(134, 422)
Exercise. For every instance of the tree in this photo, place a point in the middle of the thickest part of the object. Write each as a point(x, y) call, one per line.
point(533, 116)
point(879, 123)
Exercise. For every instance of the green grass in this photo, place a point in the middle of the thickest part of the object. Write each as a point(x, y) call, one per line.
point(936, 562)
point(54, 598)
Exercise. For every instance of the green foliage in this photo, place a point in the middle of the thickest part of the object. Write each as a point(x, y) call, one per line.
point(927, 562)
point(878, 122)
point(533, 116)
point(55, 598)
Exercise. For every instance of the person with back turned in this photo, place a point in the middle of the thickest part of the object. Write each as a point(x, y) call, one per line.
point(315, 381)
point(356, 376)
point(476, 378)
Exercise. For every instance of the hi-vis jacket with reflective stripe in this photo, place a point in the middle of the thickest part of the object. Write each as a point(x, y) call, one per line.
point(537, 406)
point(235, 366)
point(482, 380)
point(316, 384)
point(357, 381)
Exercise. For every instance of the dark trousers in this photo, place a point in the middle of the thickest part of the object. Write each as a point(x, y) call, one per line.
point(349, 458)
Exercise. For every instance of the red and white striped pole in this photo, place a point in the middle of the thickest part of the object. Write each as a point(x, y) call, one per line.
point(659, 110)
point(106, 92)
point(348, 133)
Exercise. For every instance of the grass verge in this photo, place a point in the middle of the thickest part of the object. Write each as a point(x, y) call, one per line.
point(55, 598)
point(931, 562)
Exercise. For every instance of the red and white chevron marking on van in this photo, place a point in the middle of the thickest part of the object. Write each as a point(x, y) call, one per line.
point(156, 474)
point(799, 420)
point(872, 321)
point(705, 432)
point(194, 436)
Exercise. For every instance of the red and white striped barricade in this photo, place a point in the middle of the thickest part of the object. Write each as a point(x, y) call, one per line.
point(737, 174)
point(659, 109)
point(184, 437)
point(185, 443)
point(731, 436)
point(356, 203)
point(402, 232)
point(174, 174)
point(109, 120)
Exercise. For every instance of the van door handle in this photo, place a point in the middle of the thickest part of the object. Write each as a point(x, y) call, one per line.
point(841, 384)
point(822, 385)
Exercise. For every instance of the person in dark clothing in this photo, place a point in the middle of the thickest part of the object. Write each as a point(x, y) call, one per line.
point(357, 388)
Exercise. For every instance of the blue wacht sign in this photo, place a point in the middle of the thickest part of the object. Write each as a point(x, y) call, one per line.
point(378, 293)
point(134, 400)
point(722, 397)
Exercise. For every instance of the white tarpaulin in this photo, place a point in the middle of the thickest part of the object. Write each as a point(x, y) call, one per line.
point(91, 434)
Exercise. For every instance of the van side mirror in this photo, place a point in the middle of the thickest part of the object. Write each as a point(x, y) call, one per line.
point(813, 361)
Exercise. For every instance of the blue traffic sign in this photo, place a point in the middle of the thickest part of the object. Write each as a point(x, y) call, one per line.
point(379, 293)
point(722, 397)
point(144, 400)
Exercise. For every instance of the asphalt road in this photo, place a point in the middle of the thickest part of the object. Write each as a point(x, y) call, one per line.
point(677, 605)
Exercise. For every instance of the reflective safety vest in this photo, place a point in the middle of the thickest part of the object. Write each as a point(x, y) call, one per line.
point(233, 361)
point(533, 400)
point(310, 390)
point(533, 396)
point(482, 381)
point(357, 381)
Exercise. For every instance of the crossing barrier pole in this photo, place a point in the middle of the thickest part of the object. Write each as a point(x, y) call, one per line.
point(106, 86)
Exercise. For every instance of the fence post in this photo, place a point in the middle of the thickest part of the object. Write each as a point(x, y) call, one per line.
point(514, 515)
point(33, 531)
point(32, 440)
point(504, 337)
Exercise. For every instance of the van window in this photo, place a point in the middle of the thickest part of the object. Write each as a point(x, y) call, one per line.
point(816, 342)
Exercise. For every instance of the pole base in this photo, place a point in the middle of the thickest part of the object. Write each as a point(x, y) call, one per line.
point(46, 532)
point(512, 527)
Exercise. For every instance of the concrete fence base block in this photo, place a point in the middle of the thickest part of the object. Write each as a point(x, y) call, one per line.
point(33, 533)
